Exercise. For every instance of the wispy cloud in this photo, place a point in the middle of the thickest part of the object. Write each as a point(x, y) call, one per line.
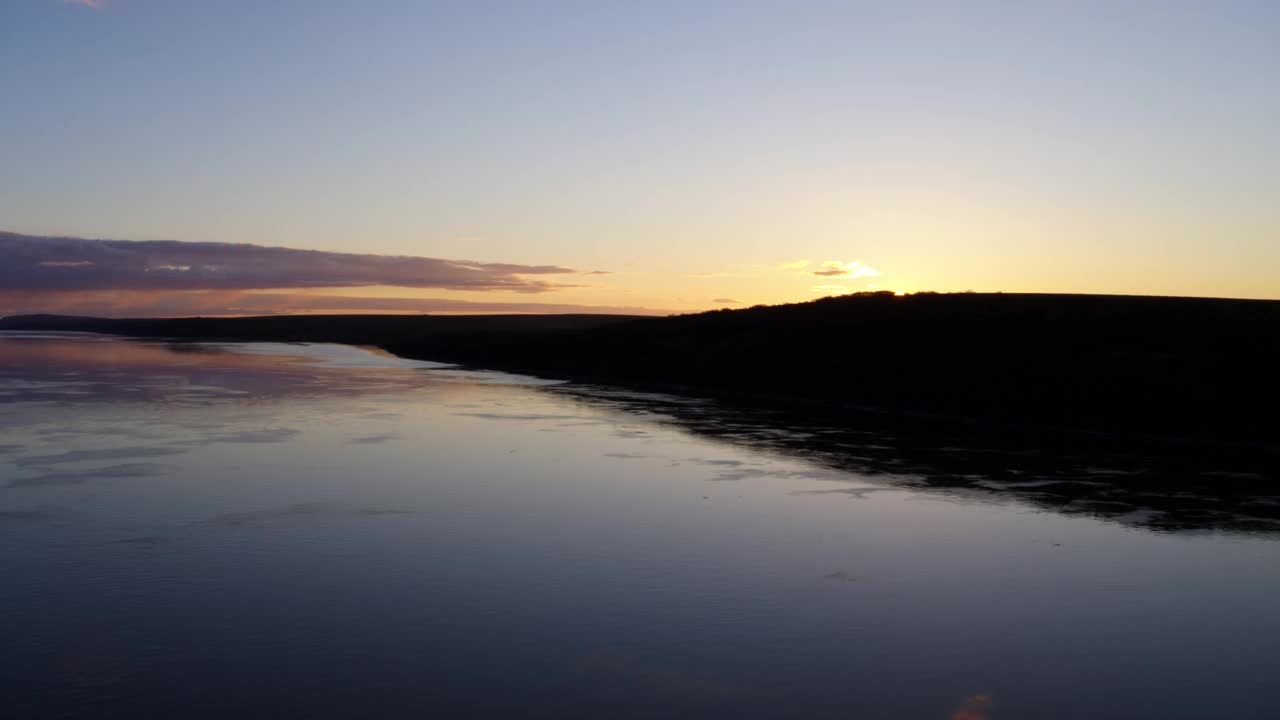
point(851, 269)
point(726, 301)
point(69, 264)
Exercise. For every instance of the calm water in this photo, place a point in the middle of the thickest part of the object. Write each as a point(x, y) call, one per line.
point(320, 531)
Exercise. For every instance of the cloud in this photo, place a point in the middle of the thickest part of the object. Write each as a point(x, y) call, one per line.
point(851, 269)
point(598, 272)
point(726, 301)
point(166, 303)
point(794, 265)
point(68, 264)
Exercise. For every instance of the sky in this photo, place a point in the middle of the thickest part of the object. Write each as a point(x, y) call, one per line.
point(655, 156)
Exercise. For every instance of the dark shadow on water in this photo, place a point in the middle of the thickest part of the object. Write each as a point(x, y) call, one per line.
point(1148, 484)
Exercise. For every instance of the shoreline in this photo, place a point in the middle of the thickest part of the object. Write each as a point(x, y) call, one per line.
point(1154, 482)
point(1165, 371)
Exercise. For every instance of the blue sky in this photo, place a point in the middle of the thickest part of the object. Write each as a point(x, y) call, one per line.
point(690, 148)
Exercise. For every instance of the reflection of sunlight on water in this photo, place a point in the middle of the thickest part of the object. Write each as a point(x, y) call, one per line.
point(625, 673)
point(974, 708)
point(350, 357)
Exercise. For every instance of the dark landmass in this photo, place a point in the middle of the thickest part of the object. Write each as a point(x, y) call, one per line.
point(1176, 368)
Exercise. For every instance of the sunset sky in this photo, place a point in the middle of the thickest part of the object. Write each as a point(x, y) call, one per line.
point(635, 156)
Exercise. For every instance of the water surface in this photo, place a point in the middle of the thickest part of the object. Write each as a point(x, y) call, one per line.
point(202, 530)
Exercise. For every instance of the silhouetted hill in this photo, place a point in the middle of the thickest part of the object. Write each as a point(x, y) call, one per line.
point(1173, 366)
point(1177, 367)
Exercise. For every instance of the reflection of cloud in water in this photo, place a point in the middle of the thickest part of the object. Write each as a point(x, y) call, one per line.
point(127, 470)
point(516, 416)
point(745, 474)
point(51, 369)
point(625, 433)
point(858, 493)
point(251, 437)
point(717, 463)
point(374, 439)
point(65, 432)
point(72, 456)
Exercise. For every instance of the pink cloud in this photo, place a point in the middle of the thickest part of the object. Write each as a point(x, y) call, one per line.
point(38, 263)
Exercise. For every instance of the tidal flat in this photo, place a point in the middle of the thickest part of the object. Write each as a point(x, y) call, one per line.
point(310, 530)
